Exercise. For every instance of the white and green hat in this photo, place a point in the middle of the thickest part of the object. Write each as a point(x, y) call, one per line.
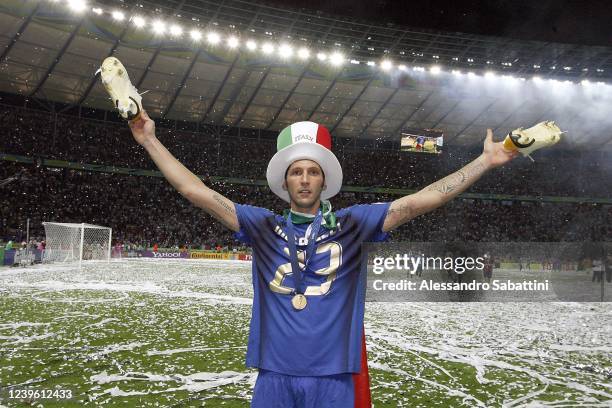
point(304, 141)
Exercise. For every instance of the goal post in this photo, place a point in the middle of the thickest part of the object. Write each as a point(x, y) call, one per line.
point(72, 242)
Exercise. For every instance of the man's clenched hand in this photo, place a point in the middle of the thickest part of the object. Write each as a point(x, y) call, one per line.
point(143, 128)
point(494, 153)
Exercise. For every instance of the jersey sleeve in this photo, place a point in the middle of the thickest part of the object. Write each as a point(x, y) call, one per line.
point(250, 220)
point(370, 219)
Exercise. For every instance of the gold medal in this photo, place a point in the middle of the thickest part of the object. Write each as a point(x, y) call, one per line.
point(299, 301)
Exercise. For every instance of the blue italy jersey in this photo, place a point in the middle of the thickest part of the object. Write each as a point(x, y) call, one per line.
point(325, 337)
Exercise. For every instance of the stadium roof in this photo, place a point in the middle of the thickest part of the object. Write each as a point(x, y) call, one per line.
point(52, 51)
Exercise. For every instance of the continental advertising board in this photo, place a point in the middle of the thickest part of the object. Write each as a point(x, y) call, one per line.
point(193, 254)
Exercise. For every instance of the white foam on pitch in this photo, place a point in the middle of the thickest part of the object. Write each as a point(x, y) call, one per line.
point(116, 348)
point(158, 277)
point(190, 350)
point(15, 339)
point(192, 383)
point(20, 324)
point(548, 345)
point(543, 342)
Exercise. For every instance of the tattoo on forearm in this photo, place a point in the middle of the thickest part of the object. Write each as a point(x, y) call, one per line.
point(402, 210)
point(407, 208)
point(448, 184)
point(456, 180)
point(218, 215)
point(222, 201)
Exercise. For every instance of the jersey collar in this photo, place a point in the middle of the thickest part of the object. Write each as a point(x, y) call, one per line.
point(329, 217)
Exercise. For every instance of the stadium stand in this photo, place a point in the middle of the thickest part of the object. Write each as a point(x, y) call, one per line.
point(145, 210)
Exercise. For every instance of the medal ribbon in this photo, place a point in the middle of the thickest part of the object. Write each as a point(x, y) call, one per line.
point(295, 267)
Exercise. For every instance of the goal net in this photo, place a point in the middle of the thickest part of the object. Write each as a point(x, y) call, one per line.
point(70, 242)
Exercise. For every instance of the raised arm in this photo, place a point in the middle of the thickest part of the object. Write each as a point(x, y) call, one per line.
point(442, 191)
point(185, 182)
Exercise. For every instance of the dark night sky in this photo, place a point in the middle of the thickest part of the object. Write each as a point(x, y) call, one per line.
point(579, 22)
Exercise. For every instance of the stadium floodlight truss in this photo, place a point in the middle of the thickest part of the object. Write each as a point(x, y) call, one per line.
point(72, 242)
point(365, 43)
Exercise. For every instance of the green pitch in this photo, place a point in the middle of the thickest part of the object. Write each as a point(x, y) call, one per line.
point(173, 334)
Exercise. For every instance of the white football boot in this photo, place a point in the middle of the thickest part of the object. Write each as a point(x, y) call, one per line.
point(527, 141)
point(117, 82)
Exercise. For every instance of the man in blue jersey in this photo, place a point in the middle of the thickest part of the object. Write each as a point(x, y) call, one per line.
point(306, 335)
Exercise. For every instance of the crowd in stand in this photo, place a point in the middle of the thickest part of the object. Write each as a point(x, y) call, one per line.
point(556, 172)
point(146, 210)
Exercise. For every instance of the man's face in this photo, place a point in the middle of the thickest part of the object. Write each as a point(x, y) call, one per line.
point(304, 182)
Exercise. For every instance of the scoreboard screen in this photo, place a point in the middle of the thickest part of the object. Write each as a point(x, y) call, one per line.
point(424, 141)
